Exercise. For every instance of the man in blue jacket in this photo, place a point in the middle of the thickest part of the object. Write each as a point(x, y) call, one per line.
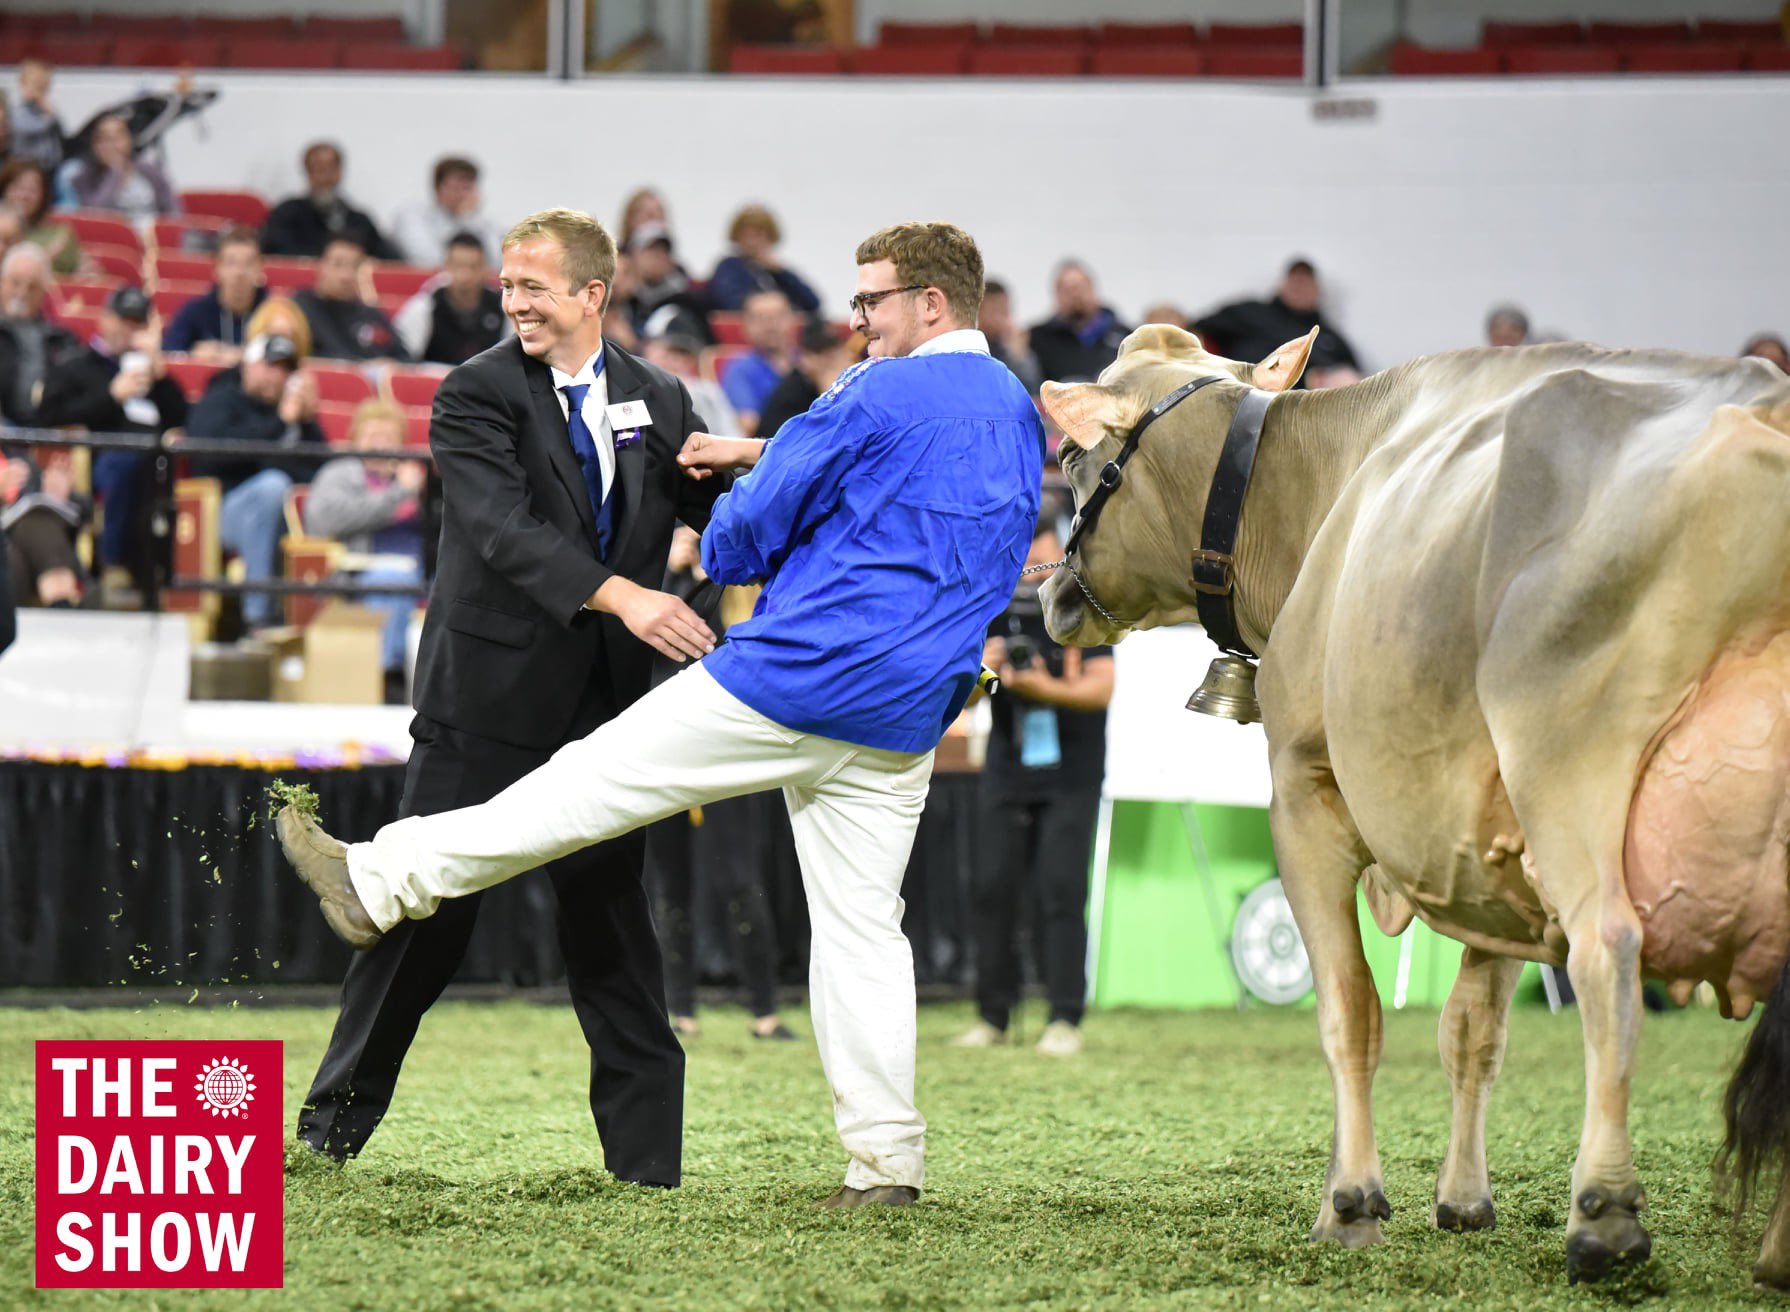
point(889, 525)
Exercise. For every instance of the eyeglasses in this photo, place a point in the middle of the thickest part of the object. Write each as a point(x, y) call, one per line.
point(864, 302)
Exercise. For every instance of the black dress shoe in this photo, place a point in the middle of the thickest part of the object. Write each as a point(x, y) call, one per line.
point(878, 1195)
point(779, 1031)
point(322, 862)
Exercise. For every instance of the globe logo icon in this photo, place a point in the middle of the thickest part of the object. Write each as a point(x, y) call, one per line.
point(225, 1088)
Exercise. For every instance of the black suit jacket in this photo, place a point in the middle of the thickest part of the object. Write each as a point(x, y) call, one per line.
point(507, 645)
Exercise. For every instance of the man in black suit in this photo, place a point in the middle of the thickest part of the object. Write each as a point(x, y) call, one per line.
point(557, 454)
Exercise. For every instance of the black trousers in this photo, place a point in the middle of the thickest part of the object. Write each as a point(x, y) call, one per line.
point(729, 856)
point(1037, 847)
point(612, 966)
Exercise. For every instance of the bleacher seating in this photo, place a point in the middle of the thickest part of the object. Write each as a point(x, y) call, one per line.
point(174, 40)
point(243, 207)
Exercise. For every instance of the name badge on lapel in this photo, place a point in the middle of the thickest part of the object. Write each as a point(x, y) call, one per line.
point(627, 414)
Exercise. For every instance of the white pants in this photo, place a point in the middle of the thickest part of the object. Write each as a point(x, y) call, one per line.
point(690, 741)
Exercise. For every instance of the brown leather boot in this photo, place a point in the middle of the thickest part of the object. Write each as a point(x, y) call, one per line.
point(322, 862)
point(878, 1195)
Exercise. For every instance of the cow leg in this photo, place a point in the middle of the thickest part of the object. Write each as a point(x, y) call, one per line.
point(1473, 1031)
point(1321, 859)
point(1772, 1271)
point(1604, 964)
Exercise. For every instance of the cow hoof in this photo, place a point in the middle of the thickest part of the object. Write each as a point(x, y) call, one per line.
point(1462, 1217)
point(1353, 1218)
point(1606, 1235)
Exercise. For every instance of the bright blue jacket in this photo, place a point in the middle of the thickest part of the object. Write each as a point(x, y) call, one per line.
point(891, 522)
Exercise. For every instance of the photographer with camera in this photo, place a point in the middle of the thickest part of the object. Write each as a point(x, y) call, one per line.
point(1040, 794)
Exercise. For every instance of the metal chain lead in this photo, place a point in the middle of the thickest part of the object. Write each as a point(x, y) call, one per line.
point(1086, 591)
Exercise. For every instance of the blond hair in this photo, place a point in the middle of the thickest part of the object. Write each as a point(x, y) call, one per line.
point(372, 411)
point(938, 255)
point(586, 250)
point(298, 328)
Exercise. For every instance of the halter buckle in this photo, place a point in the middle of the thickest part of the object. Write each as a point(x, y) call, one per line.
point(1111, 473)
point(1212, 573)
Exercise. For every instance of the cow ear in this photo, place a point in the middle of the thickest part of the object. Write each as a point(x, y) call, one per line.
point(1282, 369)
point(1086, 412)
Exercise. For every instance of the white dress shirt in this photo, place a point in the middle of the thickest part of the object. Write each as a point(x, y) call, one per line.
point(958, 339)
point(595, 412)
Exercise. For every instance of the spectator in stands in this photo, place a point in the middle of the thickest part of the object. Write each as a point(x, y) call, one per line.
point(40, 515)
point(770, 333)
point(1083, 336)
point(375, 508)
point(343, 326)
point(6, 152)
point(303, 225)
point(264, 399)
point(36, 131)
point(422, 231)
point(458, 313)
point(213, 327)
point(118, 383)
point(280, 316)
point(678, 351)
point(656, 282)
point(754, 265)
point(822, 354)
point(1165, 312)
point(1250, 330)
point(9, 615)
point(1007, 341)
point(1769, 346)
point(25, 187)
point(645, 205)
point(29, 342)
point(1506, 325)
point(12, 228)
point(1040, 795)
point(113, 178)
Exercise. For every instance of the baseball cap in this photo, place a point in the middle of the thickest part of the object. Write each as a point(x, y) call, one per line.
point(130, 303)
point(271, 348)
point(648, 233)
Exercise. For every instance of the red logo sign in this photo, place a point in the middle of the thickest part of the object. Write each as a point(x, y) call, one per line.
point(159, 1165)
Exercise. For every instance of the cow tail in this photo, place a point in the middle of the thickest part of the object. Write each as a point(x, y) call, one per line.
point(1756, 1108)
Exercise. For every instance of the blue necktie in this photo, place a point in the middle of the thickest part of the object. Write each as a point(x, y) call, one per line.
point(584, 445)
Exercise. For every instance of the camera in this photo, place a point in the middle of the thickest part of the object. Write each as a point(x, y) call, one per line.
point(1023, 612)
point(1021, 651)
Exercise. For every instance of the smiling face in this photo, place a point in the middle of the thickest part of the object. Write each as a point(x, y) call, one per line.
point(112, 142)
point(560, 324)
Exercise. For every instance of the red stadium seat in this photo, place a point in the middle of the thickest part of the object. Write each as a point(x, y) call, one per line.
point(153, 51)
point(911, 61)
point(927, 34)
point(813, 60)
point(183, 268)
point(335, 418)
point(1028, 61)
point(71, 49)
point(1148, 61)
point(1257, 62)
point(341, 382)
point(729, 327)
point(239, 29)
point(102, 226)
point(1039, 34)
point(119, 261)
point(191, 375)
point(1137, 35)
point(1503, 36)
point(1692, 57)
point(83, 322)
point(1408, 59)
point(1257, 36)
point(1561, 61)
point(414, 388)
point(416, 426)
point(282, 53)
point(1768, 59)
point(77, 292)
point(389, 27)
point(170, 297)
point(396, 56)
point(400, 279)
point(185, 232)
point(287, 275)
point(240, 207)
point(1636, 34)
point(1725, 29)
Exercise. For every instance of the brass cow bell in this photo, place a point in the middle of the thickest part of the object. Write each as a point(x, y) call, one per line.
point(1228, 691)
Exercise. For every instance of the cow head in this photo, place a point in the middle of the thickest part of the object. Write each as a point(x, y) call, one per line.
point(1137, 557)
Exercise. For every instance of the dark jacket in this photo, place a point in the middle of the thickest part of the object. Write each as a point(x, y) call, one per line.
point(24, 364)
point(456, 336)
point(1251, 330)
point(507, 646)
point(737, 277)
point(297, 227)
point(792, 396)
point(1066, 354)
point(77, 390)
point(349, 330)
point(226, 411)
point(204, 319)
